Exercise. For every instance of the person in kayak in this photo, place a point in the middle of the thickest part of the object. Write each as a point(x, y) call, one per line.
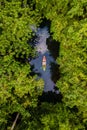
point(44, 63)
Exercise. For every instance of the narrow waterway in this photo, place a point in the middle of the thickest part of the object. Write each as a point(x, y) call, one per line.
point(42, 50)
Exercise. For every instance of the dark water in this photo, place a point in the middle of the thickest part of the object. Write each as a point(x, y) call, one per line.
point(45, 48)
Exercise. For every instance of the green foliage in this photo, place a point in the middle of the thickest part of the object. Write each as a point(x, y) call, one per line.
point(50, 117)
point(59, 117)
point(18, 90)
point(69, 27)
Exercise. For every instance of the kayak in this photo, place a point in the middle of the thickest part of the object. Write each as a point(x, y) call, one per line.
point(44, 63)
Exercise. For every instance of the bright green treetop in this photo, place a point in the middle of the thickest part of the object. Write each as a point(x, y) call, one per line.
point(18, 90)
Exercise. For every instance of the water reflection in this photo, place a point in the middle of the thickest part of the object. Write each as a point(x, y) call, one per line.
point(41, 47)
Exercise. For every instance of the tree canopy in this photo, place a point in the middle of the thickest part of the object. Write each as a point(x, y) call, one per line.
point(19, 90)
point(69, 27)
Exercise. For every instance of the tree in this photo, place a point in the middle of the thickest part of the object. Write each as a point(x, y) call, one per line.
point(69, 27)
point(52, 116)
point(18, 89)
point(59, 117)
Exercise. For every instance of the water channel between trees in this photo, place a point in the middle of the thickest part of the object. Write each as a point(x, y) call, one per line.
point(47, 47)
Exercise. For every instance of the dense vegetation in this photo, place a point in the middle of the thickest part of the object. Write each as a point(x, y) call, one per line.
point(19, 90)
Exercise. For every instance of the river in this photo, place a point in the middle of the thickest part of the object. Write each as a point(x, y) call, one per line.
point(40, 44)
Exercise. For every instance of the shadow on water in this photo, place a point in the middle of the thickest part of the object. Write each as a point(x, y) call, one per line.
point(50, 97)
point(45, 22)
point(53, 47)
point(32, 73)
point(55, 74)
